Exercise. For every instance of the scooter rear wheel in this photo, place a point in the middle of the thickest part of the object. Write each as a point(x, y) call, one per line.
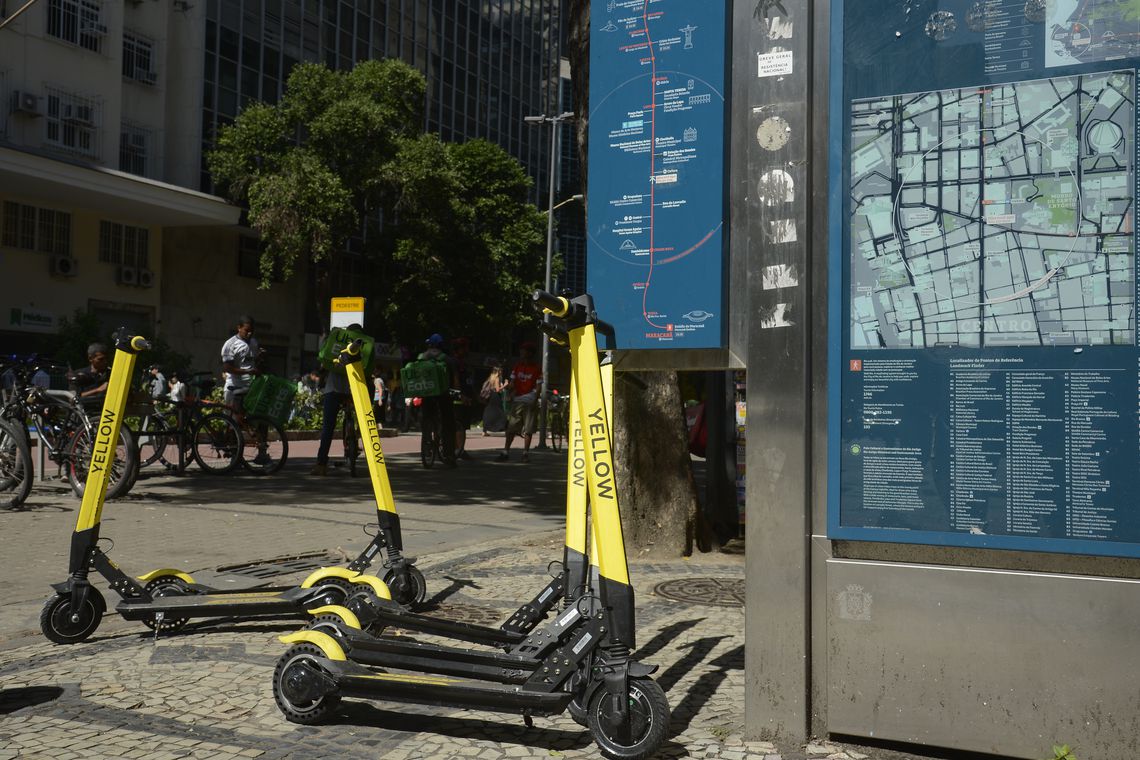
point(331, 591)
point(166, 585)
point(648, 721)
point(407, 588)
point(289, 687)
point(56, 622)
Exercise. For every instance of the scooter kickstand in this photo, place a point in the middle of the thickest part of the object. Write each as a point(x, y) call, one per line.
point(158, 617)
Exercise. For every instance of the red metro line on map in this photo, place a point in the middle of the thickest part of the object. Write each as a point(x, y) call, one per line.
point(656, 210)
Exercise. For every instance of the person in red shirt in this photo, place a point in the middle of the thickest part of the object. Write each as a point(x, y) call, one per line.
point(524, 383)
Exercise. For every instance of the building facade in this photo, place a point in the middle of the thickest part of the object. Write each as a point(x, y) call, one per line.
point(131, 96)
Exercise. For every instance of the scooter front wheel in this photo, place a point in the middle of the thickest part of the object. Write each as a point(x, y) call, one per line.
point(643, 734)
point(409, 587)
point(58, 625)
point(297, 696)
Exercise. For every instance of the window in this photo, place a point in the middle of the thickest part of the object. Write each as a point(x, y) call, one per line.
point(124, 244)
point(249, 259)
point(77, 22)
point(138, 58)
point(72, 122)
point(134, 142)
point(36, 229)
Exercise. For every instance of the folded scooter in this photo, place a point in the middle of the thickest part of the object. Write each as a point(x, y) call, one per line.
point(166, 599)
point(579, 661)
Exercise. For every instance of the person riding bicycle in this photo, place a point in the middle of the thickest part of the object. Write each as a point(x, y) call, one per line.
point(239, 360)
point(440, 406)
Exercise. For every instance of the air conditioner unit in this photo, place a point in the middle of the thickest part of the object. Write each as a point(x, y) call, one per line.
point(82, 115)
point(26, 103)
point(146, 77)
point(146, 278)
point(93, 28)
point(63, 265)
point(125, 275)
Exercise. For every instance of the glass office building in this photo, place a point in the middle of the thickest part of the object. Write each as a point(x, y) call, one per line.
point(488, 63)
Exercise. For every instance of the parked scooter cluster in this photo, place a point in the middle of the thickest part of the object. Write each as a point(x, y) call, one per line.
point(579, 660)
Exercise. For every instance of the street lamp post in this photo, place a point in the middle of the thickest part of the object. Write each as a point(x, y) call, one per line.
point(554, 122)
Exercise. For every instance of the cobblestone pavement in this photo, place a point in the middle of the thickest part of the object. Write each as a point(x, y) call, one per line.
point(205, 693)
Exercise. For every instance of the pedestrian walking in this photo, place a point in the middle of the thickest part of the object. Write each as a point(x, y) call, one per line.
point(525, 381)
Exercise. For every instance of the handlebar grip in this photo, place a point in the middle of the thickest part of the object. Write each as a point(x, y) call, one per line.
point(556, 305)
point(139, 343)
point(352, 350)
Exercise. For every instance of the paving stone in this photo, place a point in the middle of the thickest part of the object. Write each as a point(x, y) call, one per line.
point(818, 749)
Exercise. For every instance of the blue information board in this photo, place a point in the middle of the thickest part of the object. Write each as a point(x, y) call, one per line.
point(985, 377)
point(655, 249)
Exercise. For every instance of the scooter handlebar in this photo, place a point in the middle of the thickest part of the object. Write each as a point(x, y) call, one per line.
point(556, 305)
point(139, 343)
point(352, 350)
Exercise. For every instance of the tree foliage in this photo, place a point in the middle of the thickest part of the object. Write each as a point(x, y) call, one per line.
point(453, 242)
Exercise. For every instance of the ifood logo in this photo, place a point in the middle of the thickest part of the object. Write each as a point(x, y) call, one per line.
point(699, 315)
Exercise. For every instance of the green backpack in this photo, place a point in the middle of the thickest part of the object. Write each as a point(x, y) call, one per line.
point(338, 338)
point(424, 378)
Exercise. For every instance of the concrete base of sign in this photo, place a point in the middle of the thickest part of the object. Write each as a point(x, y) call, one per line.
point(996, 661)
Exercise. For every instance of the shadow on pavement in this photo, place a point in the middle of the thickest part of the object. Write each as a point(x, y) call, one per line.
point(433, 602)
point(702, 691)
point(12, 700)
point(664, 637)
point(538, 487)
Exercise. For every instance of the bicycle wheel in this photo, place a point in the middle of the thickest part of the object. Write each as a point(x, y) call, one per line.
point(16, 473)
point(429, 438)
point(264, 445)
point(153, 440)
point(216, 443)
point(124, 464)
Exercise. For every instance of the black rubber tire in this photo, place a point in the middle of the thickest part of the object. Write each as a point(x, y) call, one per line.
point(307, 714)
point(411, 591)
point(124, 467)
point(166, 585)
point(153, 438)
point(216, 443)
point(16, 471)
point(329, 591)
point(55, 618)
point(276, 451)
point(327, 623)
point(428, 448)
point(649, 717)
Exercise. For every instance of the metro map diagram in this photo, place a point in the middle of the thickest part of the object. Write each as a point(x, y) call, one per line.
point(657, 151)
point(1087, 31)
point(995, 216)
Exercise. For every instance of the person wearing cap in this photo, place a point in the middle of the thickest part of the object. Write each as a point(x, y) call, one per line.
point(442, 404)
point(158, 386)
point(522, 419)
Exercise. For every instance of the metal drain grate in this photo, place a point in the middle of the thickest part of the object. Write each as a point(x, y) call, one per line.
point(713, 592)
point(274, 568)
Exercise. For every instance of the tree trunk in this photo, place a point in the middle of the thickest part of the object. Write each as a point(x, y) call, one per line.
point(651, 447)
point(654, 472)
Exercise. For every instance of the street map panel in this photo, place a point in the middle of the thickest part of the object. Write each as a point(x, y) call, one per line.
point(995, 216)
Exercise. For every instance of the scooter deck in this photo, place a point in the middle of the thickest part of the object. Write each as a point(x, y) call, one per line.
point(357, 681)
point(289, 603)
point(390, 613)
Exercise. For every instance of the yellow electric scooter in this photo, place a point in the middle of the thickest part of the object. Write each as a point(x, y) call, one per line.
point(165, 599)
point(580, 658)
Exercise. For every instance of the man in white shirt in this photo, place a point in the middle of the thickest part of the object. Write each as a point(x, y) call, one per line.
point(239, 360)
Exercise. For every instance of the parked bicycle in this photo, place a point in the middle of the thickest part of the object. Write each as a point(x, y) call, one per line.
point(211, 434)
point(63, 432)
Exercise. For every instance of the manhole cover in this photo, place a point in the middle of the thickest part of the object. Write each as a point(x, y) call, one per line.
point(466, 613)
point(274, 568)
point(714, 592)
